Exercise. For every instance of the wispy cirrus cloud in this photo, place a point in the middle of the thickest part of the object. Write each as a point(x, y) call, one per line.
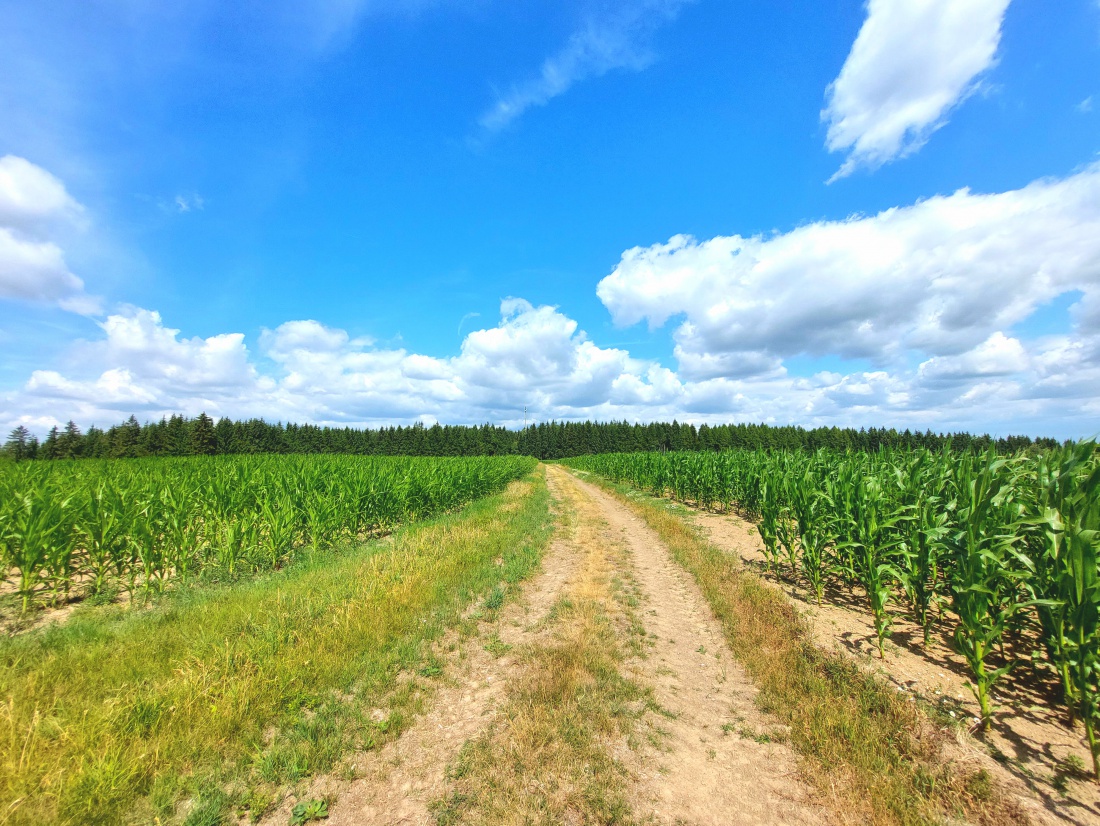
point(911, 64)
point(617, 39)
point(188, 202)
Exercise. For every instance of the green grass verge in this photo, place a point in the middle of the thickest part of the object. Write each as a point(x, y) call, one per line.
point(219, 698)
point(874, 758)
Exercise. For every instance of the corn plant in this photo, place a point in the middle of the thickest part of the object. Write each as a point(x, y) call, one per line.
point(810, 506)
point(1063, 525)
point(770, 515)
point(179, 533)
point(101, 525)
point(280, 525)
point(924, 485)
point(786, 529)
point(1082, 539)
point(37, 526)
point(230, 547)
point(985, 575)
point(870, 560)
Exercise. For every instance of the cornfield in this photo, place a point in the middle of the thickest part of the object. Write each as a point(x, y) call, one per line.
point(138, 525)
point(1003, 550)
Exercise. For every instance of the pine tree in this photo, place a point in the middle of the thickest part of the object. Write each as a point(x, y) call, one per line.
point(18, 445)
point(204, 440)
point(71, 442)
point(49, 447)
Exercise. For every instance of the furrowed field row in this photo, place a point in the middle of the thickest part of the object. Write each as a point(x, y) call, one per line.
point(1002, 548)
point(140, 524)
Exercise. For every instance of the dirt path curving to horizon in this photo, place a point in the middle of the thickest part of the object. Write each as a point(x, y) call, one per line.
point(703, 755)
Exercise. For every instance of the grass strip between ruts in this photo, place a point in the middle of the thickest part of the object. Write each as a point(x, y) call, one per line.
point(546, 758)
point(872, 756)
point(220, 698)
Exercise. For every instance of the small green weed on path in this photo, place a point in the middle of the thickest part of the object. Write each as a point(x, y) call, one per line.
point(308, 811)
point(219, 698)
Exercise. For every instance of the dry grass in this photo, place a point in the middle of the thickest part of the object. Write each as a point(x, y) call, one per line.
point(874, 757)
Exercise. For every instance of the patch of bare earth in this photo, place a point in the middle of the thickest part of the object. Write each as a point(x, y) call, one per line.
point(396, 784)
point(48, 609)
point(716, 759)
point(1029, 744)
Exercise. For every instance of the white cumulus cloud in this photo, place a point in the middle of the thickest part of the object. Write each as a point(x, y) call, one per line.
point(535, 357)
point(912, 62)
point(937, 277)
point(932, 300)
point(997, 356)
point(538, 358)
point(138, 341)
point(34, 208)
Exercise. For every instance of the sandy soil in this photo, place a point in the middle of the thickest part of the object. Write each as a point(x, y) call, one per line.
point(12, 619)
point(719, 762)
point(1029, 737)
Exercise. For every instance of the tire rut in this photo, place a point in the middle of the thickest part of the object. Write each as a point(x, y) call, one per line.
point(397, 783)
point(721, 760)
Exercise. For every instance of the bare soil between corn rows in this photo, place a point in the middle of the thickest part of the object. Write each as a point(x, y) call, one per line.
point(1029, 742)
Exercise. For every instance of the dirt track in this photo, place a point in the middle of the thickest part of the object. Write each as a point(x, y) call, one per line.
point(398, 783)
point(722, 764)
point(710, 757)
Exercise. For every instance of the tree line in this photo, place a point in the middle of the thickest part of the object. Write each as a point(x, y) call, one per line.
point(180, 436)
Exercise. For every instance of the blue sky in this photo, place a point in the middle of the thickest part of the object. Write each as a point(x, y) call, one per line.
point(360, 212)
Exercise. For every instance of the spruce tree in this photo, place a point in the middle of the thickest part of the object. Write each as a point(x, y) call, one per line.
point(204, 440)
point(70, 443)
point(125, 439)
point(49, 447)
point(95, 443)
point(223, 431)
point(18, 445)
